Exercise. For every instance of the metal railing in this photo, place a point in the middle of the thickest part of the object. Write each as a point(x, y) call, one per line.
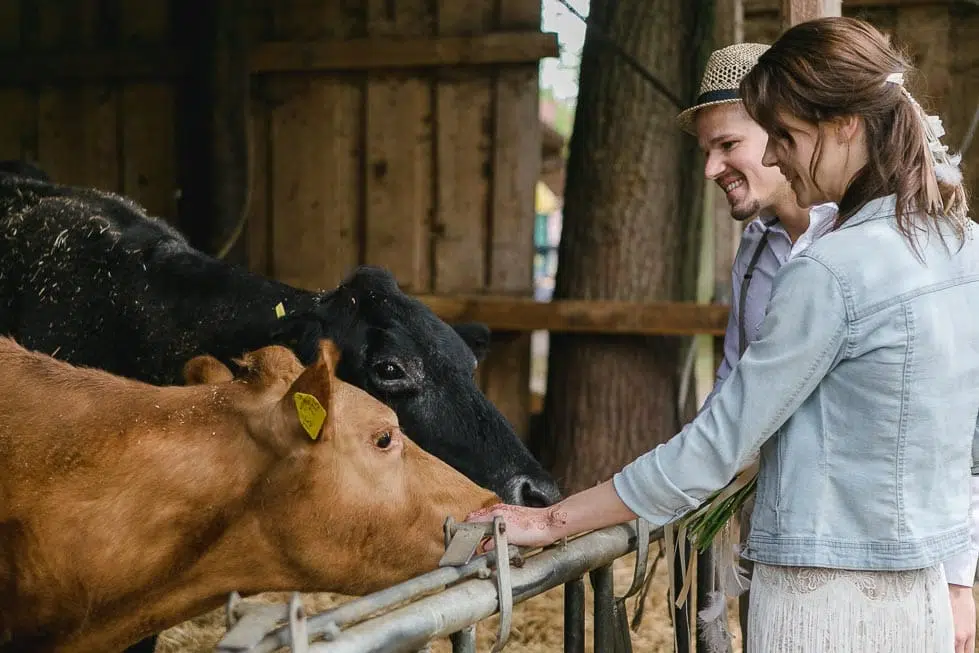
point(449, 601)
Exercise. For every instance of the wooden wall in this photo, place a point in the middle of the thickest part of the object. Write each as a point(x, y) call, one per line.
point(430, 173)
point(117, 135)
point(402, 134)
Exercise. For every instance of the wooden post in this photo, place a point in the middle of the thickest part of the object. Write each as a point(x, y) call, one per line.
point(798, 11)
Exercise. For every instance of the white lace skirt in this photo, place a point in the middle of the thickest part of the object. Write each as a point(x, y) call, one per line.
point(811, 610)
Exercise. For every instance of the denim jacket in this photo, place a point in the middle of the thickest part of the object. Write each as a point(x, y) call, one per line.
point(861, 394)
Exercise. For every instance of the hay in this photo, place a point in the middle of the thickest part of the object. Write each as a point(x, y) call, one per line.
point(537, 623)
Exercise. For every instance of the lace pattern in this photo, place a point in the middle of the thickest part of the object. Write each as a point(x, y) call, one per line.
point(810, 610)
point(874, 585)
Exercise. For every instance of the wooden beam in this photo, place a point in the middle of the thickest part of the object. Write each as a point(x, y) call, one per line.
point(26, 68)
point(799, 11)
point(752, 7)
point(503, 313)
point(374, 53)
point(21, 68)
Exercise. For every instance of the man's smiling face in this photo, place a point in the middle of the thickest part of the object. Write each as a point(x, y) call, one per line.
point(733, 145)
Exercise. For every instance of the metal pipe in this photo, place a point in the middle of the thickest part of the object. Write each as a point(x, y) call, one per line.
point(330, 622)
point(464, 641)
point(604, 595)
point(574, 616)
point(438, 615)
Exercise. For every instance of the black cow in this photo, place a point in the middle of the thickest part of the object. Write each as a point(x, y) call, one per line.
point(88, 277)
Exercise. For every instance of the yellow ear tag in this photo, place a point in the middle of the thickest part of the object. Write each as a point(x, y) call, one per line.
point(311, 413)
point(280, 310)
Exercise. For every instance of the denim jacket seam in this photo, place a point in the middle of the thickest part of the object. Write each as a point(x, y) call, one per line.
point(849, 304)
point(902, 429)
point(876, 307)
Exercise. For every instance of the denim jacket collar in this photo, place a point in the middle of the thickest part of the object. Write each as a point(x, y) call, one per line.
point(875, 209)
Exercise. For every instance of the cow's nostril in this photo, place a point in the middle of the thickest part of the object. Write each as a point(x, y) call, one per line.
point(534, 492)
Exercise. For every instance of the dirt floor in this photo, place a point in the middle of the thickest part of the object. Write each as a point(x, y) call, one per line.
point(537, 625)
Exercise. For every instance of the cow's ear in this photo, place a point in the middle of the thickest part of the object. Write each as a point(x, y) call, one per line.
point(301, 334)
point(307, 404)
point(206, 370)
point(477, 336)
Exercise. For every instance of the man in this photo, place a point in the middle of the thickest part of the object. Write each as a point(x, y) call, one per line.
point(733, 146)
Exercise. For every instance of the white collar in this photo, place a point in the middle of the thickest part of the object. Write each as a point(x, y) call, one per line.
point(821, 218)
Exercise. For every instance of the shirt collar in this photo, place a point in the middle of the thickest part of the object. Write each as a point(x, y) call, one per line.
point(821, 218)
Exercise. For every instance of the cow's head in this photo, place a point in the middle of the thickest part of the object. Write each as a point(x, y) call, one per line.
point(399, 351)
point(348, 502)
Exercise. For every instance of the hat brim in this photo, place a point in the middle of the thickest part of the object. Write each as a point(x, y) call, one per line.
point(686, 117)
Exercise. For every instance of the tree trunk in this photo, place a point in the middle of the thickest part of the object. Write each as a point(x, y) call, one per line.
point(631, 231)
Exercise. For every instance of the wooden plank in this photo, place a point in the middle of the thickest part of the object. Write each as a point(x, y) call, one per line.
point(924, 32)
point(463, 146)
point(315, 156)
point(315, 187)
point(581, 316)
point(516, 166)
point(18, 129)
point(10, 19)
point(147, 117)
point(258, 235)
point(398, 166)
point(148, 157)
point(794, 12)
point(73, 65)
point(160, 62)
point(77, 130)
point(763, 6)
point(406, 52)
point(77, 136)
point(463, 155)
point(516, 170)
point(959, 106)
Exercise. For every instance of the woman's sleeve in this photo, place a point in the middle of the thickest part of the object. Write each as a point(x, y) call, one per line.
point(801, 339)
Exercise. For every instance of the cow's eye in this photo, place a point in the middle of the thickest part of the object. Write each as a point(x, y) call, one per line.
point(383, 440)
point(389, 371)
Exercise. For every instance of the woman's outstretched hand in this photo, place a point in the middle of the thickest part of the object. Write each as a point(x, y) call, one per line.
point(594, 508)
point(530, 527)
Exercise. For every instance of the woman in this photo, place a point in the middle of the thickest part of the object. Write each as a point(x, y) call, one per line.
point(862, 391)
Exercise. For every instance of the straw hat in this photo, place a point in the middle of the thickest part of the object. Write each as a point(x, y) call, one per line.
point(725, 70)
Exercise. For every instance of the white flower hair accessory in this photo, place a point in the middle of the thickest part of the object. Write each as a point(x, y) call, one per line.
point(946, 165)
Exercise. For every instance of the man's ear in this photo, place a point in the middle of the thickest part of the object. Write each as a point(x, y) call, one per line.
point(206, 370)
point(477, 336)
point(307, 402)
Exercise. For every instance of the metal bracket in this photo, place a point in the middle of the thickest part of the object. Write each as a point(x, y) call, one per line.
point(298, 633)
point(622, 639)
point(642, 558)
point(248, 623)
point(504, 587)
point(230, 618)
point(461, 542)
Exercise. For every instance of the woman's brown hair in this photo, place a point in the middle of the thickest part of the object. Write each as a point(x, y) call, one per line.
point(833, 67)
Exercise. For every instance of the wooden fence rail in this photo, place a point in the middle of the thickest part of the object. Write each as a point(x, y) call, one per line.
point(504, 313)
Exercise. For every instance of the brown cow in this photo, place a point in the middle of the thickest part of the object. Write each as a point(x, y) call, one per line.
point(126, 508)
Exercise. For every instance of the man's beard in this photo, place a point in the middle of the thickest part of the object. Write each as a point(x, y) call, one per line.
point(745, 210)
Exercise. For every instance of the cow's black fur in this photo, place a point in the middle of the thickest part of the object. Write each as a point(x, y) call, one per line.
point(90, 278)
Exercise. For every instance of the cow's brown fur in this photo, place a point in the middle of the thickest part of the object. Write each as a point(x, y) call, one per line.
point(127, 508)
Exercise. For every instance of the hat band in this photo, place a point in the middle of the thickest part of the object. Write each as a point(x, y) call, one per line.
point(718, 95)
